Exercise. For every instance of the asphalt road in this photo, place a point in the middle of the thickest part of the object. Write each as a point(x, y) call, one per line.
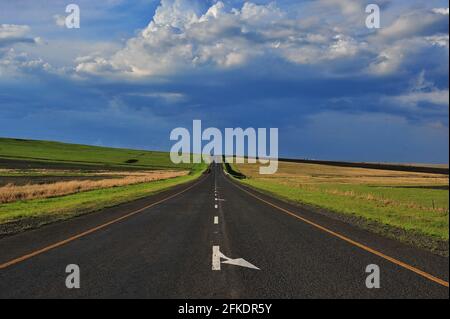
point(185, 247)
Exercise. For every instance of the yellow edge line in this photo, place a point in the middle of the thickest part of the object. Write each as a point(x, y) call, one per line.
point(90, 231)
point(352, 242)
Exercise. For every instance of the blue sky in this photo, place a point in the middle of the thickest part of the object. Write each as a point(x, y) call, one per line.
point(135, 70)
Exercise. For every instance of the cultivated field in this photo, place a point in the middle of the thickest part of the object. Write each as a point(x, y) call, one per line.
point(413, 207)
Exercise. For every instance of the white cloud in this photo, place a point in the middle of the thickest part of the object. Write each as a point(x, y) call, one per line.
point(443, 11)
point(413, 24)
point(60, 20)
point(185, 34)
point(388, 60)
point(438, 97)
point(439, 40)
point(421, 91)
point(11, 34)
point(314, 49)
point(176, 13)
point(13, 63)
point(347, 7)
point(13, 31)
point(410, 33)
point(182, 36)
point(94, 65)
point(403, 54)
point(260, 14)
point(179, 37)
point(213, 12)
point(343, 46)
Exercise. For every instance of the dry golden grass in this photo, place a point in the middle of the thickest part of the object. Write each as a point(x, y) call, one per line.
point(355, 183)
point(300, 173)
point(11, 193)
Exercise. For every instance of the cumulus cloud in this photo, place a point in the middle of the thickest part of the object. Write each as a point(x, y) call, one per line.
point(94, 65)
point(13, 62)
point(16, 63)
point(410, 34)
point(176, 13)
point(413, 24)
point(182, 36)
point(185, 35)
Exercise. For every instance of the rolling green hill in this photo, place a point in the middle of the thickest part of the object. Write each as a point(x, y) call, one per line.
point(45, 151)
point(24, 156)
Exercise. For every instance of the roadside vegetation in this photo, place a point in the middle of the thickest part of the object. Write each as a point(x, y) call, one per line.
point(412, 207)
point(11, 193)
point(232, 169)
point(22, 215)
point(43, 182)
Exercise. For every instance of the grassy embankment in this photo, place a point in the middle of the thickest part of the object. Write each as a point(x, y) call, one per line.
point(24, 214)
point(412, 207)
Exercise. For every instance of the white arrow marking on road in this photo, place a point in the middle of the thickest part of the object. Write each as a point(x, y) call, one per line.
point(217, 256)
point(240, 262)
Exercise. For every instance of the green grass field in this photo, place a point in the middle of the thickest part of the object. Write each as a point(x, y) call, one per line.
point(20, 215)
point(417, 203)
point(85, 155)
